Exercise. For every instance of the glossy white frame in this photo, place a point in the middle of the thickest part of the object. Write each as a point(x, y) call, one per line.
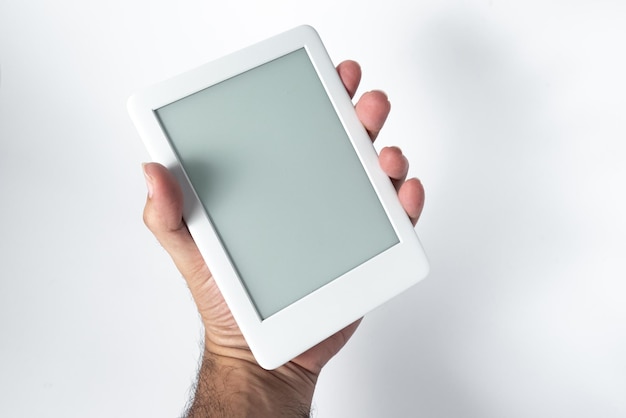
point(298, 327)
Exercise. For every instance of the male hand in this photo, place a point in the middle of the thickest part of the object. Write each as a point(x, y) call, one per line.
point(224, 343)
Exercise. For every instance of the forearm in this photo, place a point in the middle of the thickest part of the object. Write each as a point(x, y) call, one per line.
point(232, 387)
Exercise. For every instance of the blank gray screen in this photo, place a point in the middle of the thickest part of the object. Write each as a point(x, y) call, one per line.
point(280, 180)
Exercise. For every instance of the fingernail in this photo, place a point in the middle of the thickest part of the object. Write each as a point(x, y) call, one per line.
point(149, 181)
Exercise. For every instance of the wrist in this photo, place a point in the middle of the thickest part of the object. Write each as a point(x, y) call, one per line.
point(231, 384)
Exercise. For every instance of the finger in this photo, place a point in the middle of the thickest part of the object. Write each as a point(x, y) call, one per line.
point(394, 164)
point(411, 195)
point(163, 215)
point(372, 110)
point(350, 74)
point(315, 358)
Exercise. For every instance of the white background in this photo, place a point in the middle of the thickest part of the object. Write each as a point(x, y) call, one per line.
point(512, 114)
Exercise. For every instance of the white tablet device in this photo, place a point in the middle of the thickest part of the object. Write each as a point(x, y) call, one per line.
point(283, 191)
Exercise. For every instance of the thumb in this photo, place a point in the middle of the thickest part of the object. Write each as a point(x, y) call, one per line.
point(163, 215)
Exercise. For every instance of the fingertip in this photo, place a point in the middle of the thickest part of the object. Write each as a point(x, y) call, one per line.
point(378, 100)
point(153, 170)
point(393, 162)
point(412, 196)
point(161, 180)
point(373, 108)
point(350, 73)
point(149, 180)
point(163, 209)
point(379, 95)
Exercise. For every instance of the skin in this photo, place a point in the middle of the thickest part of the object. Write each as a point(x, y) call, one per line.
point(230, 383)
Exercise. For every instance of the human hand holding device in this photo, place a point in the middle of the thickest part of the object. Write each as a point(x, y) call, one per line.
point(271, 129)
point(230, 383)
